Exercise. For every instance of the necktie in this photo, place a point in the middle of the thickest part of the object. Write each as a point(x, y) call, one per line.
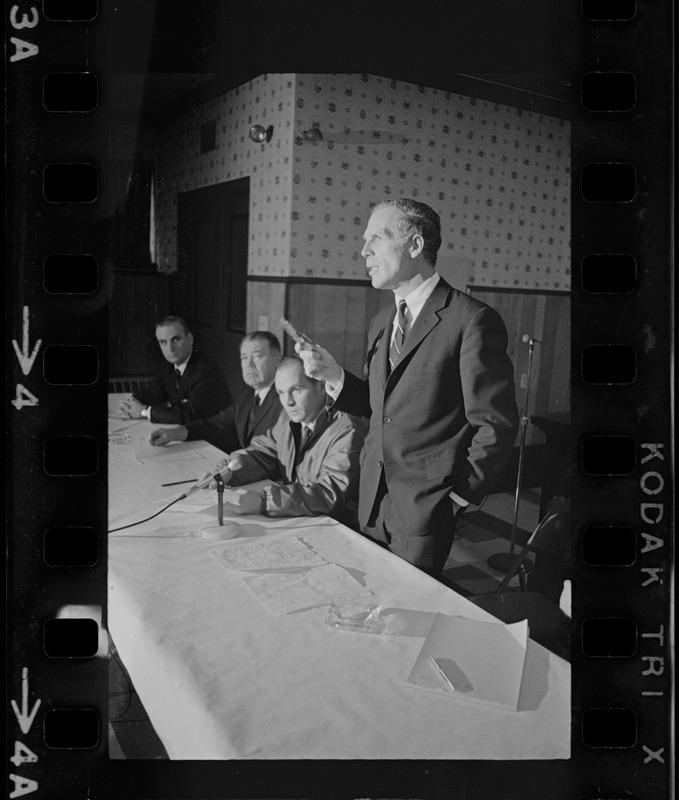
point(253, 412)
point(304, 436)
point(399, 334)
point(177, 378)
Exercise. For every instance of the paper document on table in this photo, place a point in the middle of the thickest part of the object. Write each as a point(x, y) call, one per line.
point(472, 660)
point(175, 452)
point(320, 586)
point(292, 551)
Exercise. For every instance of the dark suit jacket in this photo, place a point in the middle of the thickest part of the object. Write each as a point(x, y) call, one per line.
point(229, 429)
point(202, 392)
point(444, 419)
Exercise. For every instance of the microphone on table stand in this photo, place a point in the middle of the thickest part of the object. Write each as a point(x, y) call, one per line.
point(233, 465)
point(218, 478)
point(503, 562)
point(230, 530)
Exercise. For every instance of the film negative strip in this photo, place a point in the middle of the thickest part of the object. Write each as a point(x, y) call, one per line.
point(93, 234)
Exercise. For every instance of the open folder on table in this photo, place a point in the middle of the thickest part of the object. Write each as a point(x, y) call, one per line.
point(471, 660)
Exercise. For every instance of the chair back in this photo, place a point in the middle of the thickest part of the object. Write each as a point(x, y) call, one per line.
point(552, 534)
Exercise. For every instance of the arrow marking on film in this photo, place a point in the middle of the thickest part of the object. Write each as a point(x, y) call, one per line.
point(26, 358)
point(25, 719)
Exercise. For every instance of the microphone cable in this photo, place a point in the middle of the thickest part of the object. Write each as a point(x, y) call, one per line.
point(164, 508)
point(132, 524)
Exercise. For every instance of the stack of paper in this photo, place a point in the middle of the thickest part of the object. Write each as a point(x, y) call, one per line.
point(471, 660)
point(292, 551)
point(319, 586)
point(295, 578)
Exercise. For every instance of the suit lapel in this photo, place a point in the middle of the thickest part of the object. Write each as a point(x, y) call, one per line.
point(242, 412)
point(264, 406)
point(428, 318)
point(378, 347)
point(183, 381)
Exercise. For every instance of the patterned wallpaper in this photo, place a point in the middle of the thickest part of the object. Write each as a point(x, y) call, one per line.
point(498, 176)
point(267, 100)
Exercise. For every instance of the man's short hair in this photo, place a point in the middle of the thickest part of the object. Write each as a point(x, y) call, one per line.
point(418, 218)
point(296, 361)
point(171, 319)
point(264, 336)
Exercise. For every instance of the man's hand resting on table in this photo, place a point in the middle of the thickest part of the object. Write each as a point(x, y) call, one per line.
point(161, 436)
point(243, 501)
point(131, 408)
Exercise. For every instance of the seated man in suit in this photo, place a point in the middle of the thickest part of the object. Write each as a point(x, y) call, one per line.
point(188, 387)
point(311, 453)
point(253, 411)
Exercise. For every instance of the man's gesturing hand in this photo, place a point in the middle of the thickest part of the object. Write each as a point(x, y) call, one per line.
point(319, 364)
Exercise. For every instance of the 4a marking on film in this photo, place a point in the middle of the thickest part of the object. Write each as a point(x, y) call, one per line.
point(22, 753)
point(26, 359)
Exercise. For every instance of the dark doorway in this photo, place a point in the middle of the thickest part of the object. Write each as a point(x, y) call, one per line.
point(210, 286)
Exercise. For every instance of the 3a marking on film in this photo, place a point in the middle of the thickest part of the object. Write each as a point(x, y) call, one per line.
point(23, 49)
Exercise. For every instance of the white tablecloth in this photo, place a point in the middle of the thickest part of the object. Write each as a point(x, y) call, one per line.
point(222, 677)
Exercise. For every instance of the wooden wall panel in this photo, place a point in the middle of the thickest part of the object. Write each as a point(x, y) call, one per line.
point(545, 317)
point(138, 300)
point(336, 316)
point(266, 300)
point(355, 328)
point(560, 394)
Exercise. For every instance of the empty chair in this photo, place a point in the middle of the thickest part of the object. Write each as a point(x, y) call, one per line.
point(538, 599)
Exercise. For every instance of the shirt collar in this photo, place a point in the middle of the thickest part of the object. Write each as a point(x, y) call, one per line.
point(262, 393)
point(418, 297)
point(312, 425)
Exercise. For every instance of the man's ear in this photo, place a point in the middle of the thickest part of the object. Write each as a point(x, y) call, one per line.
point(416, 245)
point(189, 339)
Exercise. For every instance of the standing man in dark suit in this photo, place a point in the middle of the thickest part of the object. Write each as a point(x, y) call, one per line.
point(253, 411)
point(188, 387)
point(438, 388)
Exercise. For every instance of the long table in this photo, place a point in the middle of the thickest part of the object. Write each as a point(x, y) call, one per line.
point(221, 677)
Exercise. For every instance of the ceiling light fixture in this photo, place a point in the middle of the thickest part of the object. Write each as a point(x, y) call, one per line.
point(260, 134)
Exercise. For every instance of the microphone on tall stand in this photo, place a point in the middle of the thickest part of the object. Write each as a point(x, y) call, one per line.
point(526, 339)
point(503, 562)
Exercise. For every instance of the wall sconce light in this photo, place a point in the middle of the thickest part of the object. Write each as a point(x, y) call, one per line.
point(260, 134)
point(314, 134)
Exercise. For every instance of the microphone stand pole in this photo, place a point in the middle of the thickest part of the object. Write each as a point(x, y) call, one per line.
point(503, 562)
point(220, 499)
point(221, 531)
